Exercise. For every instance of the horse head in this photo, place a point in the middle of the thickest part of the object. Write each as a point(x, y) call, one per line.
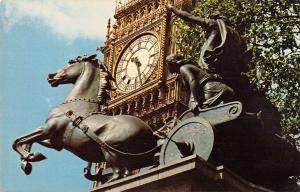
point(71, 71)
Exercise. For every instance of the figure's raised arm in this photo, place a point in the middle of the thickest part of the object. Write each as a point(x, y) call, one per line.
point(205, 23)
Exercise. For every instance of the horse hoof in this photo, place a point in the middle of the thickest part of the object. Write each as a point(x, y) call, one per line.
point(115, 177)
point(36, 157)
point(126, 173)
point(26, 167)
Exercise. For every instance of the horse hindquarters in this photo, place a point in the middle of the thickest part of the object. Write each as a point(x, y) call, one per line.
point(128, 138)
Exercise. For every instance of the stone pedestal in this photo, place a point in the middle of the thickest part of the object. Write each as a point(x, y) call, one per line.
point(191, 174)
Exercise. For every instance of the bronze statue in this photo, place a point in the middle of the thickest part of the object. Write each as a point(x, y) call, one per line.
point(226, 54)
point(223, 51)
point(207, 90)
point(124, 142)
point(248, 145)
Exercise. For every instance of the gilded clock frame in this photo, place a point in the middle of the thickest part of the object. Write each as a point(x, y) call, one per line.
point(154, 73)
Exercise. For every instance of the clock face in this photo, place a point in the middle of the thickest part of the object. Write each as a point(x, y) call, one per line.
point(137, 63)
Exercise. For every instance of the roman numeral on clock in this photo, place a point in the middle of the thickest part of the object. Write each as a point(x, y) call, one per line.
point(120, 71)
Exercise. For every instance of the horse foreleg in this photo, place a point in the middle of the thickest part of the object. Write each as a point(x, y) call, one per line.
point(28, 139)
point(28, 147)
point(48, 143)
point(25, 165)
point(23, 152)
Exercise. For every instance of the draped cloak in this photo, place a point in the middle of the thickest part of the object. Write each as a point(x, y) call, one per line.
point(223, 50)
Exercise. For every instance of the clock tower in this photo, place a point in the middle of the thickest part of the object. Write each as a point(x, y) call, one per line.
point(134, 52)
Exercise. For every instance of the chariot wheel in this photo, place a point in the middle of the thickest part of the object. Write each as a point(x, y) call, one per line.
point(191, 136)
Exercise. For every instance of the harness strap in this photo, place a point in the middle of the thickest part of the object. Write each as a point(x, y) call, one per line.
point(77, 122)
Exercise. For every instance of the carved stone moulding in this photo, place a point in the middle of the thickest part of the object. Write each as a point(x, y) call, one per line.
point(162, 99)
point(130, 5)
point(124, 28)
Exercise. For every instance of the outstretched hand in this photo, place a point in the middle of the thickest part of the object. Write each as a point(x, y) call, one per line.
point(190, 18)
point(177, 12)
point(171, 8)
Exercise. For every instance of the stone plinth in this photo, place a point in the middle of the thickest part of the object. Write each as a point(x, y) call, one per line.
point(191, 174)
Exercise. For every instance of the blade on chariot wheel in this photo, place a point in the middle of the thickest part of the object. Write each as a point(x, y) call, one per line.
point(191, 136)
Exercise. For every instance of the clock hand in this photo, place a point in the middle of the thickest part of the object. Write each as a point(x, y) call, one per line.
point(139, 74)
point(138, 65)
point(136, 61)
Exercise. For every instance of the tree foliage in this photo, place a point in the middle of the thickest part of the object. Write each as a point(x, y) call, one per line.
point(272, 29)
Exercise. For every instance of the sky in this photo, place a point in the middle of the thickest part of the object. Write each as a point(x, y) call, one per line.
point(38, 37)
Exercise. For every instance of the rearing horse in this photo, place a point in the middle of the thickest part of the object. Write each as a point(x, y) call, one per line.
point(124, 142)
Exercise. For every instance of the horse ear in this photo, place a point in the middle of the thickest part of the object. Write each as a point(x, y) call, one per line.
point(92, 56)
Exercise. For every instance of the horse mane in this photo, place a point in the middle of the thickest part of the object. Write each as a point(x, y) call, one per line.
point(105, 84)
point(86, 58)
point(105, 76)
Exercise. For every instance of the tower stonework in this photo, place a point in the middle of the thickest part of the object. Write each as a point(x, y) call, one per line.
point(143, 31)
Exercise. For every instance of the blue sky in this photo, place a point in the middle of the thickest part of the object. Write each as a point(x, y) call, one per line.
point(36, 38)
